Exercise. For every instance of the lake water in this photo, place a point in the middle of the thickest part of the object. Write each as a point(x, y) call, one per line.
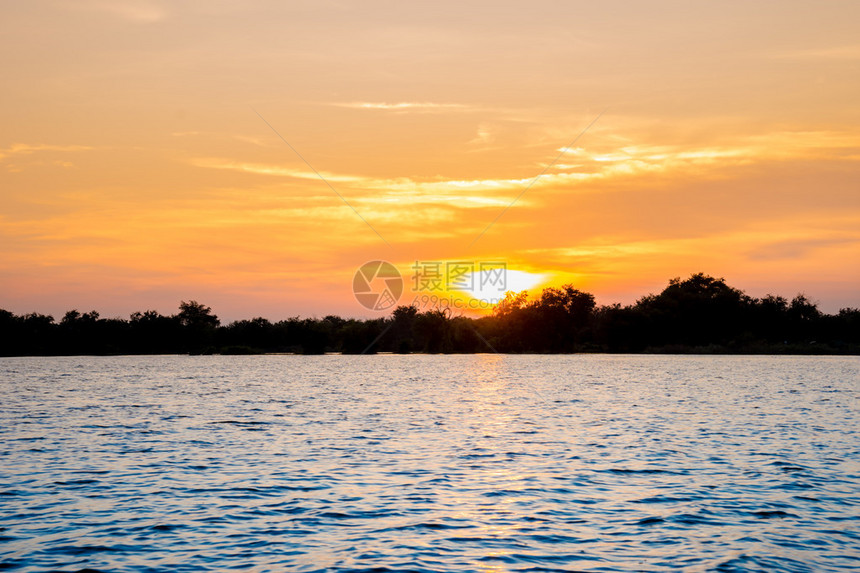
point(430, 463)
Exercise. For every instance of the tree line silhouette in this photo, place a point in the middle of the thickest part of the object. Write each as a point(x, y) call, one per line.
point(701, 314)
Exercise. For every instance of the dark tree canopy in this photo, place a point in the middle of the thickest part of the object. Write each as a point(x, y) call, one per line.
point(196, 315)
point(697, 314)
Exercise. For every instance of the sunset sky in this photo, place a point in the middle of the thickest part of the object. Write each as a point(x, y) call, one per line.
point(136, 171)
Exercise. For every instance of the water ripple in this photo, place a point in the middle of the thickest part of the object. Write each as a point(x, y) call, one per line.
point(429, 463)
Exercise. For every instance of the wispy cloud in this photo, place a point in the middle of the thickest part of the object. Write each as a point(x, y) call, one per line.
point(211, 134)
point(791, 249)
point(770, 243)
point(832, 53)
point(630, 159)
point(29, 148)
point(420, 107)
point(15, 158)
point(585, 165)
point(263, 169)
point(460, 192)
point(485, 135)
point(143, 11)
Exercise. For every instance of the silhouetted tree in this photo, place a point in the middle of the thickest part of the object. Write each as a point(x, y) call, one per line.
point(432, 331)
point(248, 336)
point(198, 326)
point(562, 319)
point(512, 302)
point(195, 315)
point(403, 329)
point(39, 334)
point(152, 333)
point(362, 337)
point(698, 311)
point(10, 343)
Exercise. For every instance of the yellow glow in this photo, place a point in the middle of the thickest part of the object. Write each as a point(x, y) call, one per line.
point(134, 171)
point(485, 287)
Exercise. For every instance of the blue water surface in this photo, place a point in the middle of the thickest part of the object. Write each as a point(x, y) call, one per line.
point(430, 463)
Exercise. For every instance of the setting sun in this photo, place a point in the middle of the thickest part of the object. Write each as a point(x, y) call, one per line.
point(484, 288)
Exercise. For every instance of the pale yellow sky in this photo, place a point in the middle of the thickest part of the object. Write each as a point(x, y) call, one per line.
point(134, 171)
